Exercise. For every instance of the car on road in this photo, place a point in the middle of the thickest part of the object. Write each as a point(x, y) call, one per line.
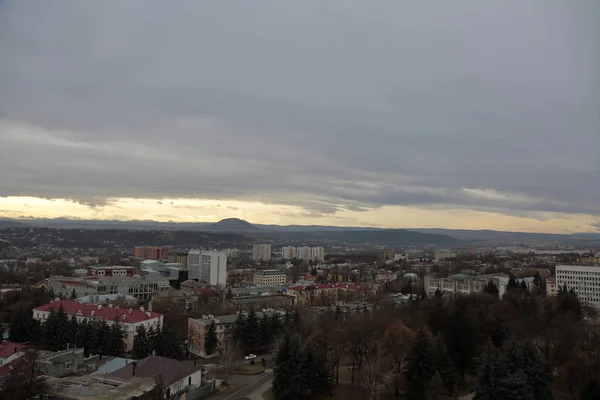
point(250, 357)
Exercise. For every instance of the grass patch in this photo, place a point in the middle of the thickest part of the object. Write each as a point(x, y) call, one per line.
point(249, 369)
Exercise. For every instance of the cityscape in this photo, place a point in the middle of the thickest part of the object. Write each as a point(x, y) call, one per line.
point(302, 200)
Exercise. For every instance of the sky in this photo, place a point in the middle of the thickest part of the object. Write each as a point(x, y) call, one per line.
point(463, 114)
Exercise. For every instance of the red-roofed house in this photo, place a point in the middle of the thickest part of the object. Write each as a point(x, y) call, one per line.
point(129, 318)
point(10, 351)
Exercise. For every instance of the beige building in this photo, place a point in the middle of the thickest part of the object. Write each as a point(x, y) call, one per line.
point(270, 277)
point(261, 252)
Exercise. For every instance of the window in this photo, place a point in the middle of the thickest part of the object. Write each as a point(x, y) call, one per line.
point(190, 381)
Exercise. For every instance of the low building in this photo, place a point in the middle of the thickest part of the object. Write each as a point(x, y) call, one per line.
point(444, 254)
point(177, 376)
point(270, 277)
point(100, 388)
point(10, 351)
point(551, 288)
point(384, 276)
point(468, 284)
point(333, 292)
point(114, 270)
point(129, 318)
point(106, 299)
point(61, 363)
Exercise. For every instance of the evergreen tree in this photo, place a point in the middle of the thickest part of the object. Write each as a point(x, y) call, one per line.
point(167, 344)
point(101, 339)
point(73, 330)
point(436, 390)
point(537, 280)
point(591, 391)
point(526, 359)
point(142, 346)
point(445, 366)
point(463, 335)
point(420, 367)
point(211, 341)
point(251, 331)
point(116, 345)
point(20, 326)
point(498, 331)
point(491, 371)
point(229, 294)
point(491, 288)
point(523, 285)
point(512, 282)
point(286, 383)
point(265, 330)
point(73, 295)
point(438, 293)
point(239, 327)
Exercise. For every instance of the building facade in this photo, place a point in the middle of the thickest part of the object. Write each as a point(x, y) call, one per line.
point(213, 269)
point(140, 287)
point(115, 270)
point(129, 318)
point(288, 252)
point(583, 279)
point(270, 277)
point(261, 252)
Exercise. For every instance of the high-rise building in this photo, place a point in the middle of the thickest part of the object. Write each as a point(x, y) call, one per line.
point(584, 280)
point(213, 268)
point(193, 264)
point(288, 252)
point(303, 253)
point(261, 252)
point(317, 253)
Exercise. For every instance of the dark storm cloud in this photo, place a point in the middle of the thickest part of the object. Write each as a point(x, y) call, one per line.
point(326, 105)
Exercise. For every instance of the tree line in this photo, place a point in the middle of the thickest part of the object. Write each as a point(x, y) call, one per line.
point(523, 346)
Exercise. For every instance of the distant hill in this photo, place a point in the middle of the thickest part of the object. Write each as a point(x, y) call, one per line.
point(9, 223)
point(232, 225)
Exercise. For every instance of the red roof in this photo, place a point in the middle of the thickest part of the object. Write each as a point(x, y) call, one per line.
point(6, 368)
point(7, 349)
point(126, 315)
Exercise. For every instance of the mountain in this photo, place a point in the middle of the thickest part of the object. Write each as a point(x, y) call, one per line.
point(232, 225)
point(9, 223)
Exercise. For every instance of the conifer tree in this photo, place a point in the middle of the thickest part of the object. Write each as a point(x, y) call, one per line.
point(498, 331)
point(20, 326)
point(265, 330)
point(239, 328)
point(251, 331)
point(116, 345)
point(420, 367)
point(445, 366)
point(142, 347)
point(287, 360)
point(211, 341)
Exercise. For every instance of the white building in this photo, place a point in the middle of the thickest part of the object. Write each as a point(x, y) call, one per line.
point(213, 268)
point(303, 253)
point(270, 277)
point(193, 264)
point(584, 280)
point(317, 253)
point(261, 252)
point(288, 252)
point(443, 254)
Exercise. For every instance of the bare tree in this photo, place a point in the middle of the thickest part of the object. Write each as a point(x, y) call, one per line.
point(228, 355)
point(377, 374)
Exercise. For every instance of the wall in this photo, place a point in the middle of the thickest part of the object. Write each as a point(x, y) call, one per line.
point(183, 383)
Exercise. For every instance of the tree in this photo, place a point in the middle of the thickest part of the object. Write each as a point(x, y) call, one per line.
point(211, 341)
point(115, 346)
point(397, 342)
point(142, 347)
point(251, 331)
point(436, 390)
point(22, 382)
point(228, 355)
point(463, 335)
point(420, 367)
point(314, 272)
point(525, 358)
point(239, 328)
point(498, 331)
point(512, 282)
point(537, 280)
point(445, 367)
point(166, 343)
point(286, 384)
point(491, 370)
point(491, 288)
point(20, 326)
point(73, 295)
point(229, 294)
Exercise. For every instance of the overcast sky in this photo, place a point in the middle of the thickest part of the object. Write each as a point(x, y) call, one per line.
point(312, 111)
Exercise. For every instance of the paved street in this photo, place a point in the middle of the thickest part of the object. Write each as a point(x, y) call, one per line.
point(236, 393)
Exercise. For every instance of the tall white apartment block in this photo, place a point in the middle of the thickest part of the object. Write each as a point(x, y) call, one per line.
point(193, 264)
point(303, 253)
point(584, 280)
point(261, 252)
point(288, 252)
point(213, 268)
point(317, 253)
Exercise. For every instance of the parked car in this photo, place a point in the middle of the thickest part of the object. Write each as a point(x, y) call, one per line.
point(250, 357)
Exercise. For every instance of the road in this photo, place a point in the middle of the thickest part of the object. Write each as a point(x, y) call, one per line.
point(240, 393)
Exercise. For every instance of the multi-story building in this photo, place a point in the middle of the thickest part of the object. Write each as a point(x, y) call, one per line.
point(213, 268)
point(129, 318)
point(193, 263)
point(152, 252)
point(270, 277)
point(288, 252)
point(198, 327)
point(303, 253)
point(180, 258)
point(317, 253)
point(468, 284)
point(141, 287)
point(444, 254)
point(261, 252)
point(232, 253)
point(176, 273)
point(385, 254)
point(115, 270)
point(583, 279)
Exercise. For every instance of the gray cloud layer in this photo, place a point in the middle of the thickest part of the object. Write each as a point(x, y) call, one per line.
point(341, 104)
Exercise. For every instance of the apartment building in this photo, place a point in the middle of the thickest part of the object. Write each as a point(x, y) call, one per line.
point(114, 270)
point(213, 268)
point(288, 252)
point(317, 253)
point(152, 252)
point(129, 318)
point(443, 254)
point(270, 277)
point(583, 279)
point(261, 252)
